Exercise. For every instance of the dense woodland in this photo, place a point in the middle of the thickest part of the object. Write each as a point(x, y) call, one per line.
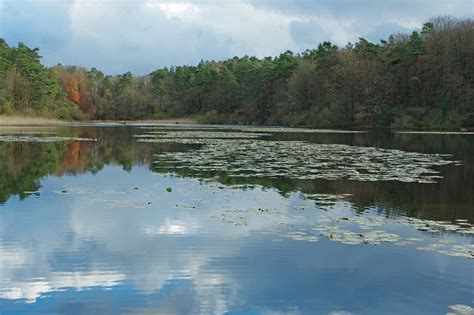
point(418, 80)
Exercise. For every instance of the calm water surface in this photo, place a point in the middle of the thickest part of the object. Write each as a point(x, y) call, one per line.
point(120, 225)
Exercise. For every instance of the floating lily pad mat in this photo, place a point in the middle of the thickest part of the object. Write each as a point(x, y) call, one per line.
point(254, 129)
point(437, 132)
point(202, 135)
point(298, 159)
point(300, 222)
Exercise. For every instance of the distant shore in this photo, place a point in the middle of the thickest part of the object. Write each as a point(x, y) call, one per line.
point(18, 121)
point(149, 121)
point(12, 120)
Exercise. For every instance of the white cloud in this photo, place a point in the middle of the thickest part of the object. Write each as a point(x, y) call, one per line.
point(178, 10)
point(253, 31)
point(140, 36)
point(30, 291)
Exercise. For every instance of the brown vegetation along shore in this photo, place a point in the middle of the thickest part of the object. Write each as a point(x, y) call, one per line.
point(12, 120)
point(151, 121)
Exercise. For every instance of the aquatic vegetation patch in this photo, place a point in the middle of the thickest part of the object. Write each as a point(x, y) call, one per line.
point(460, 226)
point(302, 236)
point(436, 132)
point(302, 160)
point(430, 227)
point(74, 191)
point(352, 230)
point(201, 135)
point(299, 130)
point(123, 204)
point(245, 216)
point(322, 201)
point(97, 196)
point(349, 229)
point(301, 221)
point(370, 230)
point(254, 129)
point(466, 250)
point(342, 234)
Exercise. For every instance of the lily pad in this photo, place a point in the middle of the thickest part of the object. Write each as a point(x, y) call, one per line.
point(301, 160)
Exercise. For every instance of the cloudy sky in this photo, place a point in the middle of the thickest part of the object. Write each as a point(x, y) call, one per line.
point(142, 35)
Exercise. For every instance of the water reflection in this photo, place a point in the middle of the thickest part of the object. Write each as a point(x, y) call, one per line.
point(23, 164)
point(115, 240)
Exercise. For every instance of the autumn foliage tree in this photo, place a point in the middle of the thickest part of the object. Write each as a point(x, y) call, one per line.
point(74, 81)
point(419, 80)
point(26, 86)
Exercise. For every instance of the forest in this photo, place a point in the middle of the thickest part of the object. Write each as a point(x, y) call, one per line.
point(422, 80)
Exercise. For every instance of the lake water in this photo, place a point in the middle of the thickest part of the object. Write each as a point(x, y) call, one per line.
point(112, 219)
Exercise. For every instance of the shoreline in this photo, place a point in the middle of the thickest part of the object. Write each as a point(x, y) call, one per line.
point(7, 120)
point(19, 121)
point(12, 120)
point(189, 121)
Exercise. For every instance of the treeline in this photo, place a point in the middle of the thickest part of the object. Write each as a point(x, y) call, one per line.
point(28, 87)
point(418, 80)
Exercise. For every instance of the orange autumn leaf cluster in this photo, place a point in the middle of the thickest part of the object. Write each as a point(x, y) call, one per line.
point(74, 82)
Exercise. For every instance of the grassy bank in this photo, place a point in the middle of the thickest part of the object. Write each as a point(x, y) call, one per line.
point(18, 120)
point(14, 120)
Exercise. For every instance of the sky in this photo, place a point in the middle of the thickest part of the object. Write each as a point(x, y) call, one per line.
point(117, 36)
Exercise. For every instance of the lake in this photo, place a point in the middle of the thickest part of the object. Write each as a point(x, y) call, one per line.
point(176, 219)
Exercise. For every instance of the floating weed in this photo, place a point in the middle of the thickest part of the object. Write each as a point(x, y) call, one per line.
point(414, 239)
point(358, 230)
point(124, 204)
point(342, 227)
point(296, 233)
point(403, 243)
point(234, 219)
point(466, 250)
point(438, 226)
point(346, 236)
point(201, 135)
point(254, 129)
point(185, 206)
point(322, 201)
point(302, 237)
point(437, 132)
point(73, 191)
point(299, 130)
point(245, 216)
point(302, 160)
